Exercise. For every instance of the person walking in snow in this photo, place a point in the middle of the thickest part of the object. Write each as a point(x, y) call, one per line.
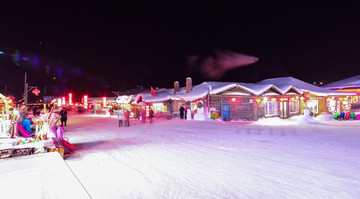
point(127, 117)
point(151, 115)
point(120, 117)
point(182, 112)
point(143, 116)
point(63, 114)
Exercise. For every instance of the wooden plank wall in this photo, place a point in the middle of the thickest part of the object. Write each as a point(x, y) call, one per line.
point(241, 109)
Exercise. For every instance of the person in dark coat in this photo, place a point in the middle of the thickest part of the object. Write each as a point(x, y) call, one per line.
point(182, 110)
point(151, 115)
point(63, 114)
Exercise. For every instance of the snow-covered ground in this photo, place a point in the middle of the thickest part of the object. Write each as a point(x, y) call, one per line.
point(271, 158)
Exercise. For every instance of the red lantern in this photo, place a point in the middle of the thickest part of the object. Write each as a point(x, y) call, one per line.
point(233, 99)
point(36, 91)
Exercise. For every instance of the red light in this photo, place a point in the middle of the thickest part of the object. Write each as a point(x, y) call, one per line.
point(86, 101)
point(36, 92)
point(104, 101)
point(70, 99)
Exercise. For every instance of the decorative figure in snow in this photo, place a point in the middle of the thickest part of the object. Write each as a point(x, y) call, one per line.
point(199, 112)
point(188, 117)
point(307, 118)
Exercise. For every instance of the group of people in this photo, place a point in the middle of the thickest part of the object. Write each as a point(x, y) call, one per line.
point(124, 115)
point(183, 112)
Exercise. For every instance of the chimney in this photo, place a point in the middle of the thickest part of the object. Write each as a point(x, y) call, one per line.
point(176, 87)
point(188, 84)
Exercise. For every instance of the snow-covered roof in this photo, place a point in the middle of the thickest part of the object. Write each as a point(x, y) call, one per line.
point(201, 90)
point(271, 93)
point(285, 82)
point(258, 89)
point(108, 99)
point(350, 82)
point(279, 86)
point(236, 93)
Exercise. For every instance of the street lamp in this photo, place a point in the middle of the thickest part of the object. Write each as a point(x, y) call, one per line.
point(27, 88)
point(208, 100)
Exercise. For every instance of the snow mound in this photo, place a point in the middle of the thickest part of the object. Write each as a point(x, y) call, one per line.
point(292, 121)
point(327, 117)
point(306, 120)
point(275, 121)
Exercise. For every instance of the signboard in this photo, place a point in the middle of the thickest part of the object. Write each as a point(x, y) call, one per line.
point(47, 99)
point(226, 112)
point(124, 99)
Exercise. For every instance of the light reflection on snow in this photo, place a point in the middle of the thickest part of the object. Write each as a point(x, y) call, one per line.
point(214, 159)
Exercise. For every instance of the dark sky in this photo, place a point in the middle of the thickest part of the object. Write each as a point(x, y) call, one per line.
point(98, 48)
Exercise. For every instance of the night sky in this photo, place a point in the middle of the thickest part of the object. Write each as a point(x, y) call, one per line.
point(99, 48)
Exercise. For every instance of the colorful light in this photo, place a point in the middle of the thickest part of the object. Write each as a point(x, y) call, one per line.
point(328, 99)
point(292, 99)
point(86, 101)
point(59, 102)
point(233, 99)
point(63, 101)
point(147, 108)
point(354, 99)
point(302, 98)
point(104, 101)
point(273, 99)
point(36, 91)
point(258, 100)
point(70, 99)
point(2, 53)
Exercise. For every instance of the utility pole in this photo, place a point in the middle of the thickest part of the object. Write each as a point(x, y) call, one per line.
point(27, 88)
point(25, 92)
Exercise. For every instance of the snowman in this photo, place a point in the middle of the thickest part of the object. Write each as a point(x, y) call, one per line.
point(199, 112)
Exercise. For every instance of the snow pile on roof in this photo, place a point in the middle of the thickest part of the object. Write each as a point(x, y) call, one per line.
point(345, 83)
point(285, 82)
point(257, 89)
point(282, 85)
point(201, 90)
